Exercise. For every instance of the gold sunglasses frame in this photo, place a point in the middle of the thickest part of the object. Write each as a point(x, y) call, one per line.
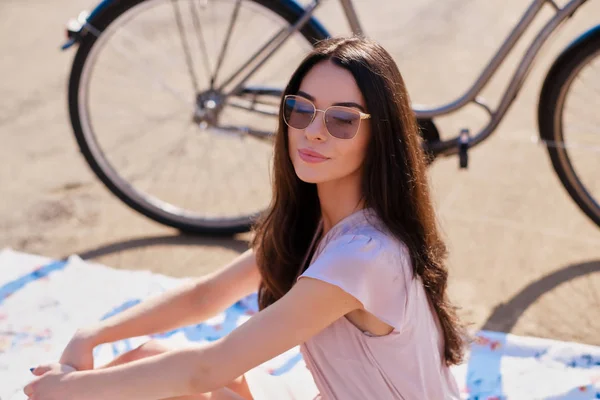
point(360, 113)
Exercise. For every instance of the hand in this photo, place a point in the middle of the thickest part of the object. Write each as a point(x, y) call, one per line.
point(53, 383)
point(79, 352)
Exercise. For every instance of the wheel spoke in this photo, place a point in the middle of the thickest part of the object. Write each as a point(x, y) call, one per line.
point(566, 146)
point(184, 45)
point(234, 16)
point(252, 59)
point(201, 42)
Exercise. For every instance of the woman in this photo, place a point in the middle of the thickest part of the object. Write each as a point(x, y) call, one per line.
point(348, 263)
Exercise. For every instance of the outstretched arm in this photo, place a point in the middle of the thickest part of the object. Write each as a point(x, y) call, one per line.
point(186, 304)
point(309, 307)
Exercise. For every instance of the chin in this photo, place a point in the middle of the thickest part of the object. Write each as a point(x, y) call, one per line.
point(310, 175)
point(314, 181)
point(310, 178)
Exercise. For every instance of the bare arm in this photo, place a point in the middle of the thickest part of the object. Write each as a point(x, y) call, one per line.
point(310, 306)
point(189, 303)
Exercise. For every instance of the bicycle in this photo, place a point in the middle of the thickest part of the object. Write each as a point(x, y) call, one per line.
point(287, 30)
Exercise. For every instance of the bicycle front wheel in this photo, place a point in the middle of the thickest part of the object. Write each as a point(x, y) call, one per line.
point(164, 116)
point(569, 122)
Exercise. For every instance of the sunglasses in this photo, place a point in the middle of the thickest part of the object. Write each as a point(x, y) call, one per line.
point(341, 122)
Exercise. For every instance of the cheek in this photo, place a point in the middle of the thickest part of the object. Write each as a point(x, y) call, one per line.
point(292, 139)
point(357, 148)
point(351, 156)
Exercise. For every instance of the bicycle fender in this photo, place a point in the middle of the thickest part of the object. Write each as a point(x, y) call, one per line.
point(298, 9)
point(591, 35)
point(78, 27)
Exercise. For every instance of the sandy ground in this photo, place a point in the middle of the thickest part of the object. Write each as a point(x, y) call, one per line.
point(523, 258)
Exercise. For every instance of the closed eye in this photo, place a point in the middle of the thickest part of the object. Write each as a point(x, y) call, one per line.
point(344, 121)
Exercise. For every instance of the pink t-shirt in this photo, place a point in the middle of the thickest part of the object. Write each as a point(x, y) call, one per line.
point(362, 258)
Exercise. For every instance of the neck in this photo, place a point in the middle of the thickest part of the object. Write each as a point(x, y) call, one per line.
point(338, 200)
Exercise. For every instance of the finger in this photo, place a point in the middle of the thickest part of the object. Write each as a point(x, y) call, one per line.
point(42, 369)
point(28, 390)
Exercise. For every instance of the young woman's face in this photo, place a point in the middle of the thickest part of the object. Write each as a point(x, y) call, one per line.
point(327, 85)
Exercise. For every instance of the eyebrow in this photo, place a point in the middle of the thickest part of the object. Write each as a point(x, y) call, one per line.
point(344, 104)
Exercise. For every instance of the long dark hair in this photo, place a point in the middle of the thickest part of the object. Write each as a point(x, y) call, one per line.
point(394, 184)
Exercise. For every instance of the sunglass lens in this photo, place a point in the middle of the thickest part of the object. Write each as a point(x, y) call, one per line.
point(297, 112)
point(342, 123)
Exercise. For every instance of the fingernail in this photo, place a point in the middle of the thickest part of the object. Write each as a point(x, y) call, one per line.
point(31, 369)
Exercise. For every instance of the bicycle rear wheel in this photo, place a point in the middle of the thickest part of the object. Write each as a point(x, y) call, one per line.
point(150, 110)
point(569, 122)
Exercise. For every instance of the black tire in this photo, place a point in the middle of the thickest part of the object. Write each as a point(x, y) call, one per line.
point(290, 12)
point(550, 117)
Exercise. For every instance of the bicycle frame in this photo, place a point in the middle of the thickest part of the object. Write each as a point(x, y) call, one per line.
point(515, 83)
point(447, 147)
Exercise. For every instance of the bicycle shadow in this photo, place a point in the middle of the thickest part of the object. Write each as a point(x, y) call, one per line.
point(504, 317)
point(232, 243)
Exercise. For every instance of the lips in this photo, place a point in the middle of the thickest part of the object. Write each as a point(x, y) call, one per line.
point(311, 156)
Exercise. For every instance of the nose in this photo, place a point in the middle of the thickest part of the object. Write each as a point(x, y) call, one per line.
point(317, 129)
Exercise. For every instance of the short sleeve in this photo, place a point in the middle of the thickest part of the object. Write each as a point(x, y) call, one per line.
point(373, 270)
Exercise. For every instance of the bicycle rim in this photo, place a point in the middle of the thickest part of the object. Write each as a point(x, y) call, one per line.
point(136, 102)
point(577, 136)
